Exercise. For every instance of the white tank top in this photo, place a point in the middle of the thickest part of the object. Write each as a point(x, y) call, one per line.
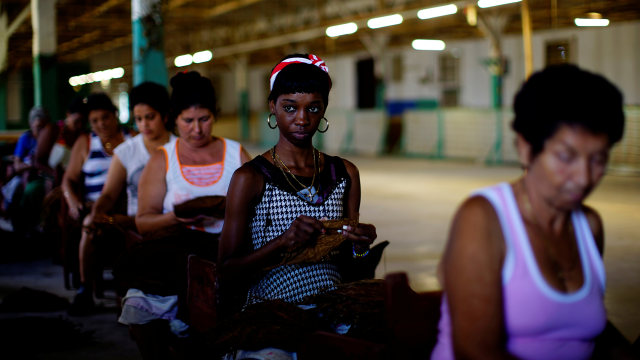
point(179, 189)
point(134, 156)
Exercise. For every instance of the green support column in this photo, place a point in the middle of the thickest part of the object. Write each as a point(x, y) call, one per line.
point(148, 42)
point(45, 84)
point(241, 66)
point(3, 100)
point(45, 79)
point(243, 114)
point(496, 69)
point(4, 54)
point(380, 94)
point(496, 90)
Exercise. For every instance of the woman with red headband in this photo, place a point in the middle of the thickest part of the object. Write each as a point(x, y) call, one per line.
point(277, 202)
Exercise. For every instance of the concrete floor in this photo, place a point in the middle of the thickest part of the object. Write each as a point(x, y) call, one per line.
point(411, 202)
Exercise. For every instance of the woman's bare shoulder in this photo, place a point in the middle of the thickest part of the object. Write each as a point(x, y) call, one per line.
point(476, 228)
point(595, 223)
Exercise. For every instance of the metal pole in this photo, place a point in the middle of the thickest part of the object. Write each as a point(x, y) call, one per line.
point(45, 81)
point(148, 49)
point(526, 38)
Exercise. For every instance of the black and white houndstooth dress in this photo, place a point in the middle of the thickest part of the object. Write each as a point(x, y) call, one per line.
point(274, 213)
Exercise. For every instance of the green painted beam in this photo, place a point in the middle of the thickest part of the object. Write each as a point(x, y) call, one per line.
point(45, 84)
point(3, 100)
point(243, 114)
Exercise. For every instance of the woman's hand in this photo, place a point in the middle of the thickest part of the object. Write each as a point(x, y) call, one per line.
point(302, 230)
point(75, 207)
point(361, 235)
point(88, 220)
point(201, 220)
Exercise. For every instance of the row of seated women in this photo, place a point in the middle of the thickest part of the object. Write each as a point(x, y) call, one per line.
point(522, 272)
point(37, 164)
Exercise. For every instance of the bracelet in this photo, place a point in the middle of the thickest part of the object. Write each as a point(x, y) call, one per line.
point(357, 254)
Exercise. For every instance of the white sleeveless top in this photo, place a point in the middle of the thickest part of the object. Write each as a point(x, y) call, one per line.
point(134, 156)
point(179, 189)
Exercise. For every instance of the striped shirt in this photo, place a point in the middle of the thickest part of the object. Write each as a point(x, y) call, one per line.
point(95, 168)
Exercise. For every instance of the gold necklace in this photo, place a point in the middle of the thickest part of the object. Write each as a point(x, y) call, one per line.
point(282, 166)
point(292, 175)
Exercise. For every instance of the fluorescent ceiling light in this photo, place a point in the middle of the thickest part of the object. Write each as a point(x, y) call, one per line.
point(421, 44)
point(591, 22)
point(183, 60)
point(104, 75)
point(344, 29)
point(202, 56)
point(437, 11)
point(489, 3)
point(383, 21)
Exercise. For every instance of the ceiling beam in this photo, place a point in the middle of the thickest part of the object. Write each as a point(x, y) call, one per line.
point(91, 15)
point(15, 24)
point(173, 4)
point(79, 41)
point(228, 6)
point(87, 52)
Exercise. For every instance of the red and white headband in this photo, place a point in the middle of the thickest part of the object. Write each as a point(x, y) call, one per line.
point(312, 59)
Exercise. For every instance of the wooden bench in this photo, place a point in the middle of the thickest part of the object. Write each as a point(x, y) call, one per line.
point(411, 319)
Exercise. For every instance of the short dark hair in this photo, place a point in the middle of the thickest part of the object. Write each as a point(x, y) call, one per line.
point(301, 78)
point(567, 95)
point(77, 106)
point(191, 89)
point(100, 101)
point(153, 95)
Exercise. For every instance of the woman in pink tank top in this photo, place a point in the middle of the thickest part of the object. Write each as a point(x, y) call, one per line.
point(522, 272)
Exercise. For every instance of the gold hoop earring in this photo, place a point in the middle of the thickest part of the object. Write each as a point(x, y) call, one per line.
point(326, 128)
point(269, 122)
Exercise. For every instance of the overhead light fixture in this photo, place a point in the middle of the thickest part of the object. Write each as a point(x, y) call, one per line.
point(104, 75)
point(202, 56)
point(592, 19)
point(489, 3)
point(183, 60)
point(344, 29)
point(422, 44)
point(471, 13)
point(384, 21)
point(437, 11)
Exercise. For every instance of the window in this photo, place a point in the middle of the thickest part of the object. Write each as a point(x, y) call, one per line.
point(558, 52)
point(449, 78)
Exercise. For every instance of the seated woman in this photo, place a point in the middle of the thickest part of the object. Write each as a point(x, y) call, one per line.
point(149, 104)
point(86, 173)
point(278, 201)
point(91, 156)
point(196, 165)
point(69, 128)
point(523, 272)
point(23, 193)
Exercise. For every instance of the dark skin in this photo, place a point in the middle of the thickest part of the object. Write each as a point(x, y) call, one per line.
point(298, 116)
point(556, 182)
